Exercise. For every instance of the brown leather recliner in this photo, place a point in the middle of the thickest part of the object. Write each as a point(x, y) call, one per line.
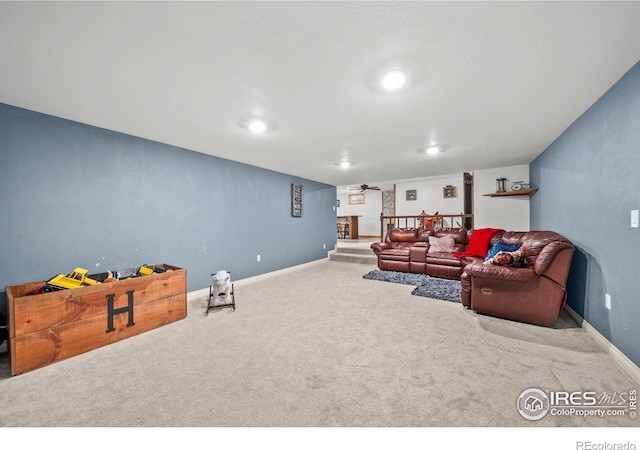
point(441, 265)
point(535, 293)
point(393, 253)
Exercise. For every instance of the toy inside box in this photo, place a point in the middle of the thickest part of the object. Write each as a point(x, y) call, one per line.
point(60, 323)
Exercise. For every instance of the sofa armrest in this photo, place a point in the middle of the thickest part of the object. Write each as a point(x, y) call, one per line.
point(482, 270)
point(377, 247)
point(466, 260)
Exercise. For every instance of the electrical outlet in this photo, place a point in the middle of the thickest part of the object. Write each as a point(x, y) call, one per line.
point(258, 258)
point(324, 246)
point(607, 301)
point(634, 218)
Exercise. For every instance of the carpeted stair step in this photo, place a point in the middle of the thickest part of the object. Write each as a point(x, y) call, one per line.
point(354, 255)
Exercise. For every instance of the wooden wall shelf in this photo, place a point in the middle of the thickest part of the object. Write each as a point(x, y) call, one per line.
point(512, 193)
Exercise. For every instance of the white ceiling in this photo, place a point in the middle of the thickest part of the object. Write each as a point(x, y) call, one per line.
point(495, 82)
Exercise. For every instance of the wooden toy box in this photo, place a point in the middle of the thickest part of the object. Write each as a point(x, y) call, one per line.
point(46, 328)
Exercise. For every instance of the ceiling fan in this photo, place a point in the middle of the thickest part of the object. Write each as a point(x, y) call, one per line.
point(364, 187)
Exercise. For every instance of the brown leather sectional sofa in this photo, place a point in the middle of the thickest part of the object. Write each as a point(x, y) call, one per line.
point(533, 293)
point(408, 250)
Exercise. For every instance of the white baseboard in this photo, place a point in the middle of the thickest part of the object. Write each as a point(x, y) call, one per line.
point(620, 358)
point(205, 292)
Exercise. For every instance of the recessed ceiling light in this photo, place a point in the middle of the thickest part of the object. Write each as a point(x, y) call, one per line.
point(257, 126)
point(394, 80)
point(432, 149)
point(345, 164)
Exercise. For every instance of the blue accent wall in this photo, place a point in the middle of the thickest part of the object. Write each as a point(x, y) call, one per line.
point(76, 195)
point(589, 182)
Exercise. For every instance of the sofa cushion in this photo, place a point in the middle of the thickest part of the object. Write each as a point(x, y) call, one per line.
point(460, 235)
point(444, 244)
point(403, 235)
point(423, 235)
point(443, 259)
point(396, 254)
point(539, 247)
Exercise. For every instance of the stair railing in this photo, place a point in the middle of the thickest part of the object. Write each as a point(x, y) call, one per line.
point(437, 221)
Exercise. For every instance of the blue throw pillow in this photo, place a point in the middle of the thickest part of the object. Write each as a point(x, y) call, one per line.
point(501, 247)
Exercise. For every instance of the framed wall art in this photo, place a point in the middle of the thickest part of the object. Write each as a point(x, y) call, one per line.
point(449, 191)
point(412, 195)
point(356, 199)
point(296, 199)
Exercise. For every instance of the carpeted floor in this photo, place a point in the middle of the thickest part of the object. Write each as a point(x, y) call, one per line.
point(426, 286)
point(319, 346)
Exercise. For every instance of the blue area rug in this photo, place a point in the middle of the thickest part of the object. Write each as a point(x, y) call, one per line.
point(426, 286)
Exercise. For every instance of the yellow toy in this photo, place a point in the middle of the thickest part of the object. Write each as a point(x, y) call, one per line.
point(76, 279)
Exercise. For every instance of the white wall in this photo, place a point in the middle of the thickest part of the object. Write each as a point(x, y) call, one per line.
point(369, 212)
point(430, 196)
point(509, 213)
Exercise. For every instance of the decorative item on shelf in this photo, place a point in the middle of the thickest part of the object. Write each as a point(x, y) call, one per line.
point(296, 199)
point(448, 191)
point(501, 184)
point(516, 185)
point(412, 195)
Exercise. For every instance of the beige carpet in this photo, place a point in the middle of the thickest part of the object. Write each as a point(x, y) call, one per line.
point(318, 347)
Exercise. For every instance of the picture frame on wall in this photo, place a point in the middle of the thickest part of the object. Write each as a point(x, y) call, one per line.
point(448, 191)
point(412, 195)
point(356, 199)
point(296, 199)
